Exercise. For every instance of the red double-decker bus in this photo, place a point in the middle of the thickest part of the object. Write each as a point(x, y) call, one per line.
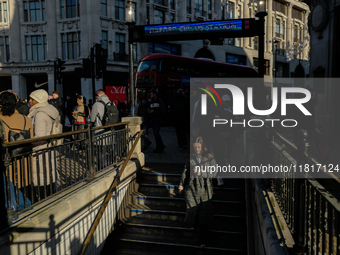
point(166, 73)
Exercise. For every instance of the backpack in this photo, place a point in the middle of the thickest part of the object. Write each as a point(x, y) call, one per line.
point(57, 128)
point(111, 114)
point(22, 135)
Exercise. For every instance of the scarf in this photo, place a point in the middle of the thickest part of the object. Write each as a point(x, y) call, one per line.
point(34, 109)
point(80, 119)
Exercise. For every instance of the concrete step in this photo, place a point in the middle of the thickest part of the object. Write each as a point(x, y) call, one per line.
point(174, 168)
point(172, 212)
point(145, 176)
point(178, 244)
point(158, 248)
point(229, 193)
point(219, 223)
point(174, 178)
point(181, 232)
point(218, 205)
point(156, 224)
point(220, 193)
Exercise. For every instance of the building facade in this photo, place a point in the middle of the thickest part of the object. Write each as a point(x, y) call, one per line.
point(36, 33)
point(324, 27)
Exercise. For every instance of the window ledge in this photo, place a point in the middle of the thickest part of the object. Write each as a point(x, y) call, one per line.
point(68, 19)
point(160, 7)
point(280, 14)
point(105, 18)
point(31, 23)
point(199, 17)
point(298, 21)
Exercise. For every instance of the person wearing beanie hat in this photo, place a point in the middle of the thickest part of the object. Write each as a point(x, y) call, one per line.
point(39, 95)
point(43, 115)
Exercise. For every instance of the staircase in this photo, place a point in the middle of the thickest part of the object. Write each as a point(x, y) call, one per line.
point(157, 214)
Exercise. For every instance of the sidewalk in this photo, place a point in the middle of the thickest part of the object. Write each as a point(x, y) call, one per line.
point(171, 153)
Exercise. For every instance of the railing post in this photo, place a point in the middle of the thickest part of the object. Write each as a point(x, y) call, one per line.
point(134, 127)
point(299, 194)
point(3, 211)
point(90, 157)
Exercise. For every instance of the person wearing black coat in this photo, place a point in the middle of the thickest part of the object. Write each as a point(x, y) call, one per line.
point(58, 103)
point(22, 108)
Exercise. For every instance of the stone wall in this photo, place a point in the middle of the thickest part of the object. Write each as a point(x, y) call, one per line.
point(60, 227)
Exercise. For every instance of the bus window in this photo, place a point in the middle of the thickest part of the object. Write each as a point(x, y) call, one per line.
point(148, 65)
point(167, 65)
point(182, 68)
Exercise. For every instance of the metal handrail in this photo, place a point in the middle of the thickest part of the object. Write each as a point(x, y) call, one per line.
point(30, 140)
point(306, 203)
point(107, 198)
point(109, 126)
point(38, 171)
point(310, 157)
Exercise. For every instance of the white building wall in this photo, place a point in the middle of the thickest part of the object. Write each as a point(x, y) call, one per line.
point(70, 239)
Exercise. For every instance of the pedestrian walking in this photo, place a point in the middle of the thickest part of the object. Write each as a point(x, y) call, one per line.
point(180, 114)
point(58, 103)
point(196, 182)
point(69, 107)
point(156, 111)
point(42, 115)
point(80, 114)
point(142, 111)
point(98, 108)
point(16, 126)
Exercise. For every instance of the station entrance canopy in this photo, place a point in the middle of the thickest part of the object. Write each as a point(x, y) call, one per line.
point(197, 30)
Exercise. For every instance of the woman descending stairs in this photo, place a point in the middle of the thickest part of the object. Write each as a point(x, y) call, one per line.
point(157, 226)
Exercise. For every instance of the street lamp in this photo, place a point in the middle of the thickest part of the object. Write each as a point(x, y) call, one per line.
point(261, 8)
point(130, 13)
point(130, 21)
point(261, 13)
point(275, 43)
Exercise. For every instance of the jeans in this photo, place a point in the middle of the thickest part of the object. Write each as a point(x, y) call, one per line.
point(156, 128)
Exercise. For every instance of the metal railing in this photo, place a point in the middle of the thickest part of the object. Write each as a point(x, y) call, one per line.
point(311, 212)
point(108, 196)
point(53, 165)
